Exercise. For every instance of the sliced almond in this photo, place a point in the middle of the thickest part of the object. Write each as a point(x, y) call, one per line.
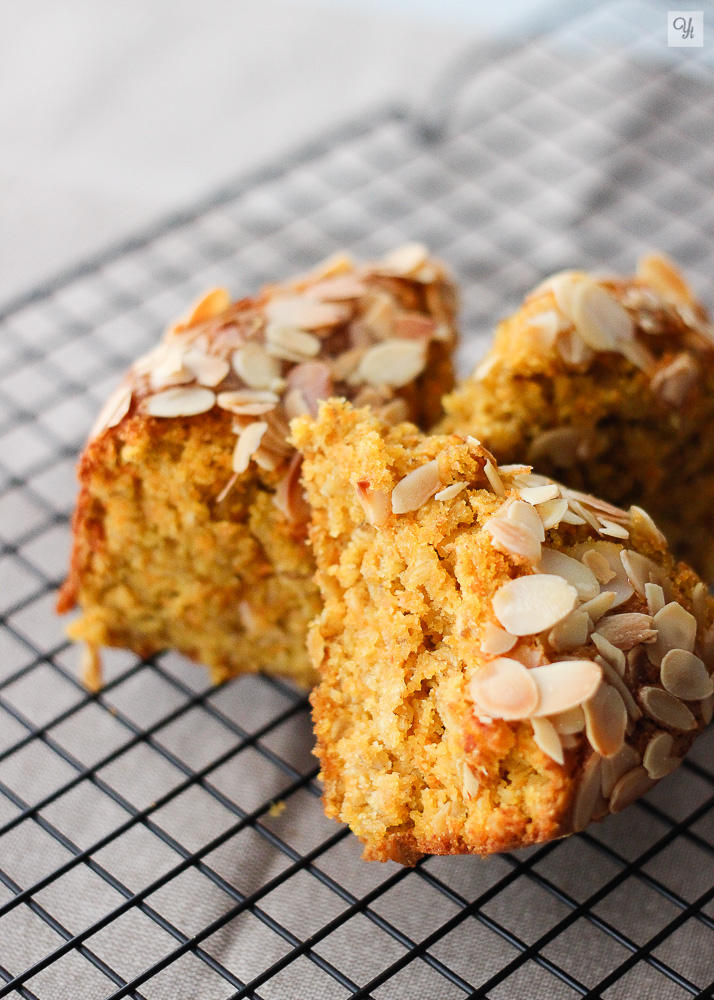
point(673, 383)
point(416, 488)
point(208, 369)
point(504, 689)
point(527, 515)
point(289, 497)
point(598, 606)
point(657, 758)
point(665, 708)
point(570, 633)
point(113, 411)
point(598, 564)
point(530, 604)
point(450, 492)
point(627, 630)
point(642, 521)
point(404, 261)
point(179, 402)
point(552, 512)
point(662, 275)
point(629, 788)
point(472, 786)
point(612, 677)
point(619, 584)
point(394, 412)
point(168, 368)
point(685, 676)
point(255, 366)
point(295, 404)
point(247, 445)
point(565, 684)
point(701, 603)
point(303, 313)
point(211, 304)
point(640, 570)
point(559, 445)
point(393, 362)
point(248, 402)
point(613, 768)
point(313, 379)
point(290, 344)
point(655, 598)
point(569, 722)
point(573, 350)
point(605, 721)
point(513, 538)
point(572, 570)
point(540, 494)
point(413, 326)
point(338, 289)
point(491, 472)
point(375, 503)
point(588, 793)
point(611, 653)
point(612, 529)
point(599, 318)
point(546, 737)
point(495, 641)
point(676, 629)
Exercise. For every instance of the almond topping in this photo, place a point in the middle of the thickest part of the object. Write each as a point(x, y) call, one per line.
point(395, 412)
point(627, 630)
point(289, 497)
point(248, 402)
point(662, 276)
point(393, 362)
point(677, 629)
point(113, 411)
point(655, 598)
point(684, 675)
point(179, 402)
point(598, 606)
point(495, 641)
point(247, 445)
point(255, 366)
point(629, 788)
point(525, 514)
point(640, 570)
point(530, 604)
point(642, 521)
point(451, 491)
point(565, 684)
point(700, 600)
point(552, 512)
point(495, 481)
point(570, 722)
point(588, 793)
point(539, 494)
point(611, 653)
point(403, 261)
point(618, 584)
point(560, 445)
point(546, 737)
point(290, 344)
point(416, 488)
point(665, 708)
point(657, 760)
point(375, 503)
point(208, 369)
point(605, 721)
point(301, 313)
point(614, 767)
point(472, 785)
point(337, 289)
point(612, 529)
point(598, 564)
point(213, 303)
point(513, 538)
point(504, 689)
point(572, 570)
point(570, 633)
point(674, 382)
point(313, 379)
point(599, 318)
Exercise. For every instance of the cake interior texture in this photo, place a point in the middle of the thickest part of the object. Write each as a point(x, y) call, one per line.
point(405, 759)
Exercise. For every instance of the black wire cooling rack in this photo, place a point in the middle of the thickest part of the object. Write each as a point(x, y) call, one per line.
point(164, 838)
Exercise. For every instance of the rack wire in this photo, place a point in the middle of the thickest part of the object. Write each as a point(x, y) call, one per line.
point(164, 838)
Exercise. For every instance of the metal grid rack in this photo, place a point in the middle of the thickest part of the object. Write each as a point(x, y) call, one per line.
point(164, 838)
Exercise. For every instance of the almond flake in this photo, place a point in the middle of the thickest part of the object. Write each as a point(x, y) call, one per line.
point(629, 788)
point(598, 606)
point(640, 570)
point(573, 350)
point(588, 793)
point(582, 512)
point(393, 362)
point(611, 653)
point(113, 411)
point(598, 564)
point(211, 304)
point(295, 404)
point(530, 604)
point(662, 276)
point(337, 289)
point(565, 684)
point(685, 676)
point(290, 344)
point(540, 494)
point(494, 641)
point(674, 382)
point(618, 584)
point(301, 313)
point(450, 492)
point(255, 366)
point(504, 689)
point(313, 379)
point(605, 721)
point(247, 445)
point(525, 514)
point(179, 402)
point(289, 497)
point(375, 503)
point(413, 326)
point(491, 473)
point(570, 633)
point(613, 768)
point(394, 412)
point(655, 598)
point(701, 601)
point(208, 369)
point(552, 512)
point(248, 402)
point(570, 722)
point(599, 318)
point(572, 570)
point(403, 261)
point(665, 708)
point(560, 445)
point(677, 629)
point(472, 785)
point(612, 677)
point(513, 538)
point(612, 530)
point(627, 630)
point(416, 488)
point(546, 737)
point(642, 521)
point(570, 518)
point(657, 758)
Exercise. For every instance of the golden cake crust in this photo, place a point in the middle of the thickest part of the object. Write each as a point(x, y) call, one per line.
point(409, 631)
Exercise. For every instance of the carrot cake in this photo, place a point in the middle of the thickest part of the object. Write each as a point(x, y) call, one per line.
point(189, 531)
point(501, 659)
point(607, 384)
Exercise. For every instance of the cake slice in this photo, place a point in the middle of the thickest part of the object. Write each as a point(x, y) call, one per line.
point(608, 384)
point(189, 531)
point(501, 659)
